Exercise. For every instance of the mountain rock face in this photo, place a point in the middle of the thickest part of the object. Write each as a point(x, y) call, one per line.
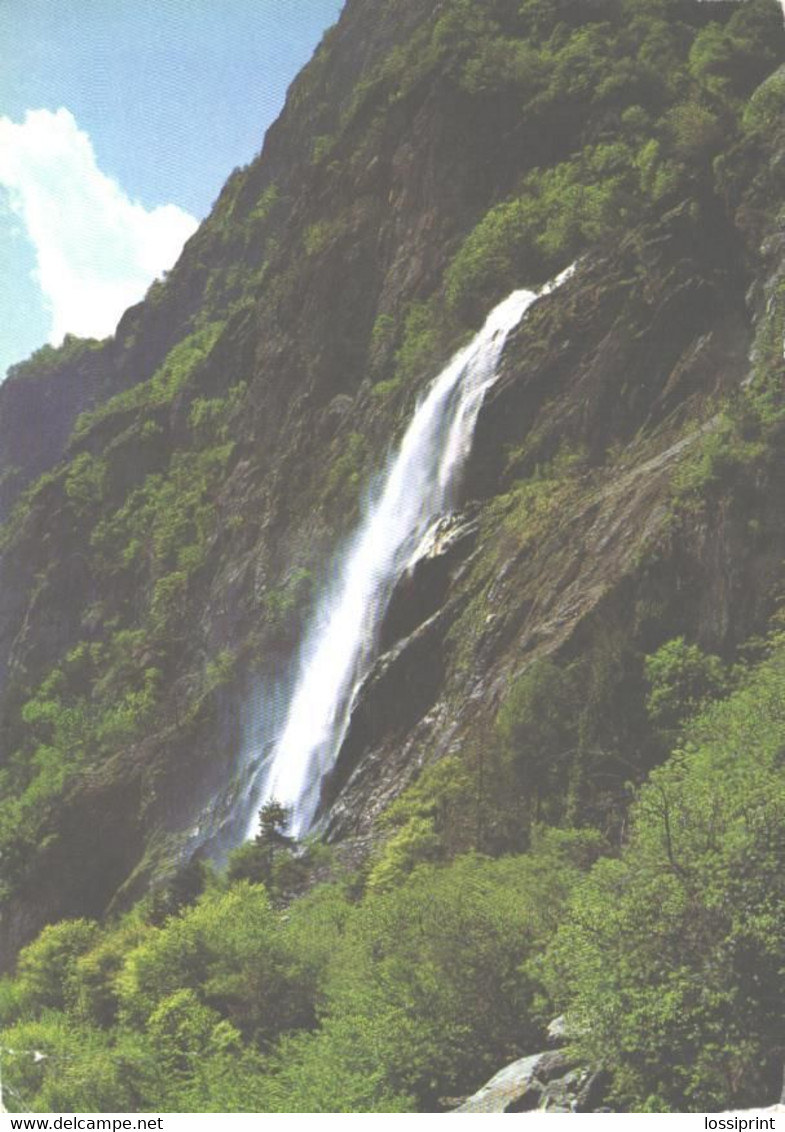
point(173, 497)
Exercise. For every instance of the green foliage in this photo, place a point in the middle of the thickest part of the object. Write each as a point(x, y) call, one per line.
point(30, 500)
point(273, 858)
point(46, 966)
point(733, 59)
point(167, 522)
point(499, 63)
point(560, 212)
point(285, 606)
point(85, 483)
point(247, 863)
point(668, 961)
point(181, 891)
point(680, 678)
point(265, 204)
point(10, 1000)
point(429, 995)
point(641, 104)
point(168, 604)
point(322, 147)
point(67, 728)
point(273, 820)
point(57, 1065)
point(490, 256)
point(763, 112)
point(418, 344)
point(671, 960)
point(210, 418)
point(109, 694)
point(383, 329)
point(321, 235)
point(744, 434)
point(382, 339)
point(414, 843)
point(165, 383)
point(48, 359)
point(344, 476)
point(93, 996)
point(373, 1006)
point(220, 670)
point(183, 1032)
point(421, 975)
point(537, 727)
point(231, 949)
point(428, 336)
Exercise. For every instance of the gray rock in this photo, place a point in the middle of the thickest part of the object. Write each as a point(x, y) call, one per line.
point(548, 1082)
point(508, 1089)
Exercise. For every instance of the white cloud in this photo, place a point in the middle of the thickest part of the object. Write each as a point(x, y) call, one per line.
point(96, 250)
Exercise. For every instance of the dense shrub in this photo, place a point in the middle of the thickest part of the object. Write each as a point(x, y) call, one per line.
point(670, 961)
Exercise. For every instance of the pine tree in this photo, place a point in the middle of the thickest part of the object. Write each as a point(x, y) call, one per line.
point(272, 838)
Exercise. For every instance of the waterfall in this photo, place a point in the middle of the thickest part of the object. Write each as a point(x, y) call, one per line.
point(417, 489)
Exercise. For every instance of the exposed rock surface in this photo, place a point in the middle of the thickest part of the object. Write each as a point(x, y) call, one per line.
point(548, 1082)
point(424, 585)
point(295, 297)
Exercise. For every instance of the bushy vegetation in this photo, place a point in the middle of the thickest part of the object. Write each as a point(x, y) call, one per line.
point(382, 1003)
point(546, 868)
point(344, 475)
point(639, 100)
point(145, 543)
point(670, 960)
point(743, 438)
point(629, 109)
point(286, 608)
point(100, 697)
point(48, 359)
point(324, 233)
point(162, 386)
point(406, 984)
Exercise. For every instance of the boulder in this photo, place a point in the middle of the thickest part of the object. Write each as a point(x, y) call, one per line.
point(546, 1082)
point(513, 1089)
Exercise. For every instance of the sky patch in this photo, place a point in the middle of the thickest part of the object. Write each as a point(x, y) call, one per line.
point(96, 250)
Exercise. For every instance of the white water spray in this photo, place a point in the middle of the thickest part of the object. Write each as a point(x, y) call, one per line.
point(417, 489)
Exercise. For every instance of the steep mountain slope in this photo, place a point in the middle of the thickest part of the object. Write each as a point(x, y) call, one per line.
point(192, 479)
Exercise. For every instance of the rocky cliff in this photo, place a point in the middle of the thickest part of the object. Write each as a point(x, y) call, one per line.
point(186, 484)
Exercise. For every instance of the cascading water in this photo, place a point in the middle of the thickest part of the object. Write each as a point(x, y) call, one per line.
point(416, 490)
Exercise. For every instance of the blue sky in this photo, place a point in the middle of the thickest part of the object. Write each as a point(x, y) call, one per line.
point(119, 122)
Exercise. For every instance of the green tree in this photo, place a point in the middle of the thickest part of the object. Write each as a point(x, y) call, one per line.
point(46, 966)
point(537, 728)
point(426, 993)
point(671, 962)
point(269, 859)
point(272, 837)
point(185, 887)
point(681, 677)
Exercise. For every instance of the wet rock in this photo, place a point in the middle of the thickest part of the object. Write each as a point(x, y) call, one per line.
point(424, 584)
point(398, 690)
